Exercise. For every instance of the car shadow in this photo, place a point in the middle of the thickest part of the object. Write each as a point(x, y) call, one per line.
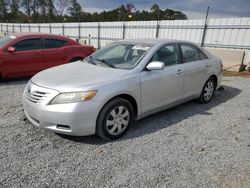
point(166, 118)
point(12, 82)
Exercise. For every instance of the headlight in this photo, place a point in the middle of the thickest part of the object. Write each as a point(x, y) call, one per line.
point(73, 97)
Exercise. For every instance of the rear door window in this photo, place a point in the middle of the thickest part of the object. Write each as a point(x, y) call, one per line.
point(54, 43)
point(28, 44)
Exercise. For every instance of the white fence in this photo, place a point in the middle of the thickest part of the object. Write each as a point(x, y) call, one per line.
point(233, 33)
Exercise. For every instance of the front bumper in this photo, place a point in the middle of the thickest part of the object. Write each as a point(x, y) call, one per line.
point(77, 119)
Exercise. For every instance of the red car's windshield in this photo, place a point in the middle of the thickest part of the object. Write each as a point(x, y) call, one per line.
point(6, 39)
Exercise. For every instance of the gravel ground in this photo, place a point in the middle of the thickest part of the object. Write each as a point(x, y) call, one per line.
point(191, 145)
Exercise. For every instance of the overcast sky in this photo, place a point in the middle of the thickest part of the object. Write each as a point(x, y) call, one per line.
point(192, 8)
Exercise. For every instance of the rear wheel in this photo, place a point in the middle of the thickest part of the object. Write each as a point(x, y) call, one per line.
point(208, 91)
point(115, 119)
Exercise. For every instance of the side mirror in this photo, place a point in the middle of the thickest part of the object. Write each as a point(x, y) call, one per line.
point(155, 65)
point(11, 49)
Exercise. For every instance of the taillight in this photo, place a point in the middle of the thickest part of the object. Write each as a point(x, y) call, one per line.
point(93, 50)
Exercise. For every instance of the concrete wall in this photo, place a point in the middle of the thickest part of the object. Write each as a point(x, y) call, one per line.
point(231, 58)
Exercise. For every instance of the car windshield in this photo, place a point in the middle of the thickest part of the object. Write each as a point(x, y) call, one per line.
point(122, 56)
point(6, 39)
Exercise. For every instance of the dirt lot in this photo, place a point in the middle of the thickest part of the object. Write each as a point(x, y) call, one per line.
point(234, 74)
point(191, 145)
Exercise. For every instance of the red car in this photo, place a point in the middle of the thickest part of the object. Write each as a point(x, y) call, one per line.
point(25, 54)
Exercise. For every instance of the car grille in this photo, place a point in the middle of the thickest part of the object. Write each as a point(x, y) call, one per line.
point(36, 96)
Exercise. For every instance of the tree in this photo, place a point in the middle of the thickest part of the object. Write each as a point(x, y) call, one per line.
point(51, 10)
point(47, 10)
point(35, 11)
point(155, 8)
point(14, 10)
point(14, 6)
point(58, 10)
point(129, 7)
point(27, 5)
point(62, 7)
point(170, 14)
point(75, 10)
point(43, 5)
point(124, 11)
point(156, 11)
point(3, 9)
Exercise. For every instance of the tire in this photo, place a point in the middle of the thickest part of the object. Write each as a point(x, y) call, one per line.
point(114, 119)
point(207, 91)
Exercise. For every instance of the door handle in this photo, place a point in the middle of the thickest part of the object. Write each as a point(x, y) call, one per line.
point(180, 71)
point(208, 65)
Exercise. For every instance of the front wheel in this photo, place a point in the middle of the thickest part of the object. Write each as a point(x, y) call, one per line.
point(207, 91)
point(115, 119)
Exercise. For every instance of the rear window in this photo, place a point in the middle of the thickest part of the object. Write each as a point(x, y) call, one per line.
point(54, 43)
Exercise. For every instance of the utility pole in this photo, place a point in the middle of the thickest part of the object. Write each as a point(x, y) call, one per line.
point(205, 28)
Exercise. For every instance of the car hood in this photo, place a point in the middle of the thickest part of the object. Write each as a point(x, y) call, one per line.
point(74, 76)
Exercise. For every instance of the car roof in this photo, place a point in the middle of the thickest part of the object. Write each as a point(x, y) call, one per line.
point(27, 34)
point(153, 41)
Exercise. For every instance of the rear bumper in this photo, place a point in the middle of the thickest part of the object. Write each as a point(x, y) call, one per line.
point(219, 78)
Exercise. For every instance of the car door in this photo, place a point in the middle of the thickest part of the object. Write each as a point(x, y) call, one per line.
point(54, 52)
point(195, 67)
point(162, 87)
point(26, 59)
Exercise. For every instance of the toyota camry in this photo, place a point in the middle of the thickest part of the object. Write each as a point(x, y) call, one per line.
point(118, 84)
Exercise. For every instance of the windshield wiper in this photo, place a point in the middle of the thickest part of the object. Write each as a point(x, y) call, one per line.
point(103, 61)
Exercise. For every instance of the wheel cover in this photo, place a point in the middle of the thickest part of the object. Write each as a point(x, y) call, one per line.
point(208, 91)
point(117, 120)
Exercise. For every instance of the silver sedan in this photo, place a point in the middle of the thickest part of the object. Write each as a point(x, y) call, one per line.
point(123, 82)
